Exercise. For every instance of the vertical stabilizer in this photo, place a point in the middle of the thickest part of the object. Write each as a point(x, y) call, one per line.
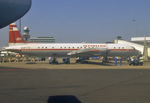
point(14, 35)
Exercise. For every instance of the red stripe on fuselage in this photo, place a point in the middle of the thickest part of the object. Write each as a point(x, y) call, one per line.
point(47, 49)
point(71, 49)
point(122, 49)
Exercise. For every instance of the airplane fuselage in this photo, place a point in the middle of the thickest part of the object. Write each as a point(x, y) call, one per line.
point(67, 49)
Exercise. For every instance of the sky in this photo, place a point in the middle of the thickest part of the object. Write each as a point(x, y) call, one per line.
point(86, 20)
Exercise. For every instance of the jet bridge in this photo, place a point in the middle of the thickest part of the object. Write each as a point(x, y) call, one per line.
point(137, 46)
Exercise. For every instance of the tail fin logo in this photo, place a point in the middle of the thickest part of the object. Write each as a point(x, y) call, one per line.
point(18, 39)
point(14, 34)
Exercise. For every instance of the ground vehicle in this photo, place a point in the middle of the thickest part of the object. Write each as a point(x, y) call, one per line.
point(136, 61)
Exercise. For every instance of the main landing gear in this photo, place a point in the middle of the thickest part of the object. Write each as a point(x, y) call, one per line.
point(53, 60)
point(66, 60)
point(82, 60)
point(105, 60)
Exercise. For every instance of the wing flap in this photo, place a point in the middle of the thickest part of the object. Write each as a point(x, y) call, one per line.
point(88, 52)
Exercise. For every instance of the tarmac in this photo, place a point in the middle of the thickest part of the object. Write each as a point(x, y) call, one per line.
point(90, 65)
point(89, 83)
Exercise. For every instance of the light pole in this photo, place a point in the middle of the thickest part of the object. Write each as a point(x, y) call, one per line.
point(136, 26)
point(20, 25)
point(145, 50)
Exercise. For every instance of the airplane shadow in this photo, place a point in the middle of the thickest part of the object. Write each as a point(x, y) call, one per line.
point(63, 99)
point(91, 63)
point(102, 64)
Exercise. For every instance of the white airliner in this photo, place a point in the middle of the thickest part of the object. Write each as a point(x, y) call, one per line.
point(17, 44)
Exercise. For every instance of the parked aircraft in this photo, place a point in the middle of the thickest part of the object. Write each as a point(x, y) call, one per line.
point(84, 50)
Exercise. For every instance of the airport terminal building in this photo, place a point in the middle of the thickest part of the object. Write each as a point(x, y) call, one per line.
point(141, 40)
point(43, 39)
point(140, 43)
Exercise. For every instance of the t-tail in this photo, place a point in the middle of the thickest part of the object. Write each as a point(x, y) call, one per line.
point(15, 37)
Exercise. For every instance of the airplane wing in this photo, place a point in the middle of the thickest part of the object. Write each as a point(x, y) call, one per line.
point(89, 52)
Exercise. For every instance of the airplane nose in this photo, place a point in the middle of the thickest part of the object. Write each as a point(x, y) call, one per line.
point(137, 52)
